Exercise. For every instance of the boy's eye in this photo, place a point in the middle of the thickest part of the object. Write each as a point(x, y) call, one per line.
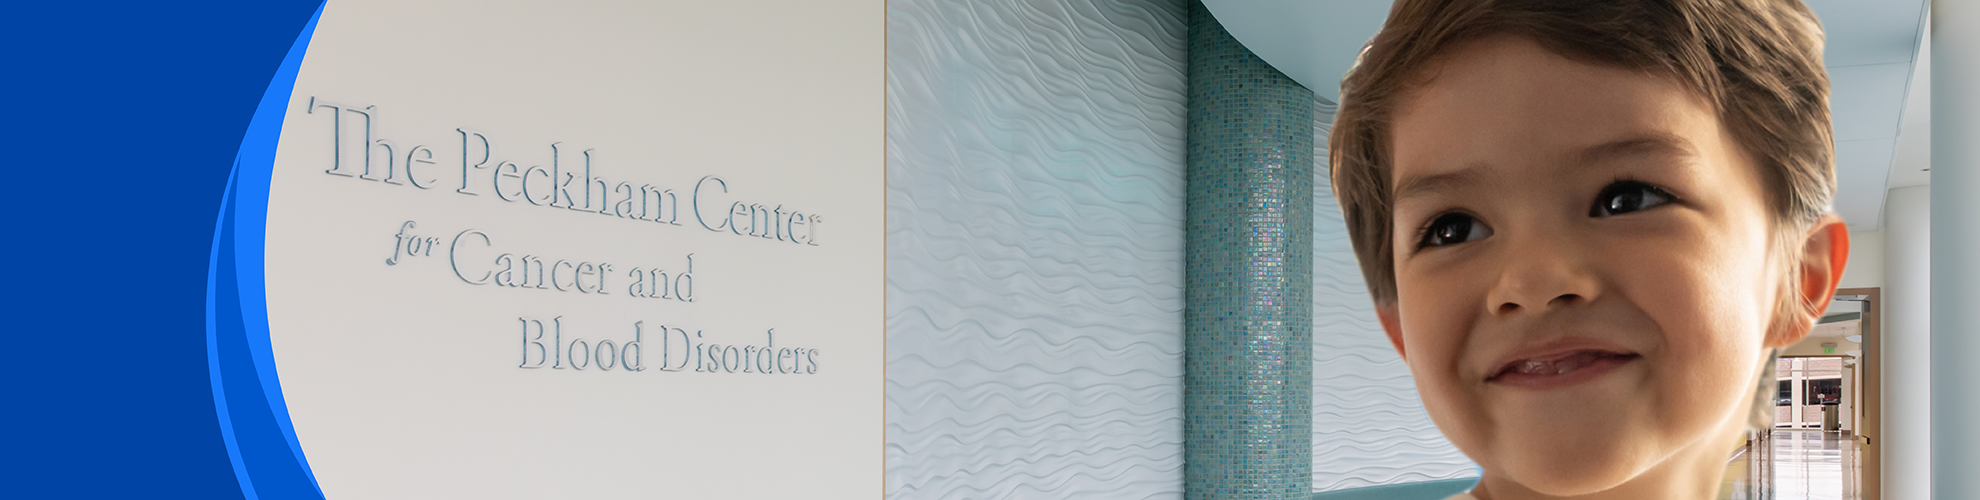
point(1627, 196)
point(1452, 229)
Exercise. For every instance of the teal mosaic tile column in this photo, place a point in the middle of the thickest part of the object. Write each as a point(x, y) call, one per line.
point(1248, 299)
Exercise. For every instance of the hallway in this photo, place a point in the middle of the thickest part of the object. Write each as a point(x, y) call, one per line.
point(1794, 465)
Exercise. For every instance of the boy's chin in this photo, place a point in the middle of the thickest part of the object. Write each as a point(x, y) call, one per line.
point(1565, 461)
point(1570, 476)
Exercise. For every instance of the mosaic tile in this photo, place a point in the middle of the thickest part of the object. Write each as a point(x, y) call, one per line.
point(1247, 320)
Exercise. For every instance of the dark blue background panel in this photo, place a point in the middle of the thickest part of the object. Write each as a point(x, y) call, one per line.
point(124, 124)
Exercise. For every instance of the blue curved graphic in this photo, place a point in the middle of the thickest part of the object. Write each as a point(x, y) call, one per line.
point(254, 419)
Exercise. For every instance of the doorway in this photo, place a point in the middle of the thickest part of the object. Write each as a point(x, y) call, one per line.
point(1826, 413)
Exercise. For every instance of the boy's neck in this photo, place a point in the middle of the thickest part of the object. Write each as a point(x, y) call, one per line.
point(1691, 474)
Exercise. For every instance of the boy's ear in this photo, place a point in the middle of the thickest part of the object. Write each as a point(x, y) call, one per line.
point(1392, 325)
point(1823, 255)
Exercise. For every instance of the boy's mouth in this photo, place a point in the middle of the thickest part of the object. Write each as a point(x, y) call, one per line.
point(1560, 368)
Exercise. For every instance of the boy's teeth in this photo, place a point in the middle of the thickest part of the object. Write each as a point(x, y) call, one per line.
point(1556, 367)
point(1572, 363)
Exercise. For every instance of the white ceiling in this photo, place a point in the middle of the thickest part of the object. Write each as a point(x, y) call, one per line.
point(1312, 42)
point(1828, 332)
point(1910, 166)
point(1879, 99)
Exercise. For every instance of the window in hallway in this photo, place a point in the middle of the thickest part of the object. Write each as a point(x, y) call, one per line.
point(1811, 391)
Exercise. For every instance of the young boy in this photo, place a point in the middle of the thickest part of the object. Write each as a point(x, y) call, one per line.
point(1588, 226)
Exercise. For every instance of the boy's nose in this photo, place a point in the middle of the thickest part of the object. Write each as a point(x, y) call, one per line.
point(1537, 282)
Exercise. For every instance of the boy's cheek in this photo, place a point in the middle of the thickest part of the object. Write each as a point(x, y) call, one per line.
point(1437, 364)
point(1460, 414)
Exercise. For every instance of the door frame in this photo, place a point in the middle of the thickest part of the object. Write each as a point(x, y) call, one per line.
point(1869, 429)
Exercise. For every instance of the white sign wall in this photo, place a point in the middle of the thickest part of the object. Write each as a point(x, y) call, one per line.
point(584, 250)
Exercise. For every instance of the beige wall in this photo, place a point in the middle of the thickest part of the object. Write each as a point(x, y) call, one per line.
point(1866, 260)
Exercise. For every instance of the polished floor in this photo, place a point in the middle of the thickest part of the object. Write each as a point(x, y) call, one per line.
point(1794, 465)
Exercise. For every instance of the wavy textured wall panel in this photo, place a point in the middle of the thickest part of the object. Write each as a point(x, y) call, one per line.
point(1368, 424)
point(1034, 248)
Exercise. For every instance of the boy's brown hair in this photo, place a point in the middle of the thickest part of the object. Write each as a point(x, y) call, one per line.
point(1757, 62)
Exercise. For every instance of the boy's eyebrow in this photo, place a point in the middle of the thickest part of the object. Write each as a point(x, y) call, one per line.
point(1651, 143)
point(1414, 186)
point(1647, 144)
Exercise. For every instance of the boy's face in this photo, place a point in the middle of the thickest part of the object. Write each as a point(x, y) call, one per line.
point(1583, 267)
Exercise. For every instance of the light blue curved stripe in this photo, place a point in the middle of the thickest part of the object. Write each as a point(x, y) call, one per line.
point(257, 158)
point(213, 341)
point(246, 201)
